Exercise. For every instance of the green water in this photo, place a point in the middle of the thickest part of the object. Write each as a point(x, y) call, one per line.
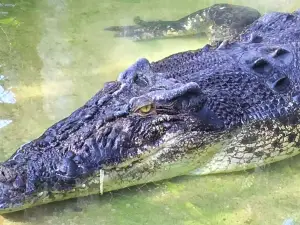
point(56, 55)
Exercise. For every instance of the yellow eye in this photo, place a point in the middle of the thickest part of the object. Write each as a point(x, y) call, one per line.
point(146, 109)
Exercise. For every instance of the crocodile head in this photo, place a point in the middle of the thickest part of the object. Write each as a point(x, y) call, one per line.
point(147, 126)
point(137, 129)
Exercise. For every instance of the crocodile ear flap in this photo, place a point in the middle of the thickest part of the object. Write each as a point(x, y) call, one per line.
point(209, 118)
point(169, 95)
point(280, 84)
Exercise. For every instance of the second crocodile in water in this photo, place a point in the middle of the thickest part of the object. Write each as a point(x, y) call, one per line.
point(217, 109)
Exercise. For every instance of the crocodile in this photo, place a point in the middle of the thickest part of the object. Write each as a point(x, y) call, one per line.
point(218, 109)
point(217, 22)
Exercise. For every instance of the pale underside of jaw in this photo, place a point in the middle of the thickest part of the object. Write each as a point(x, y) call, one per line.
point(145, 169)
point(218, 154)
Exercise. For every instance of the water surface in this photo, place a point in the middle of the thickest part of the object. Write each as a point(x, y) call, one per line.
point(55, 55)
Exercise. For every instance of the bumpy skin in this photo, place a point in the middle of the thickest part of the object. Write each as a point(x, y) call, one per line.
point(212, 110)
point(218, 22)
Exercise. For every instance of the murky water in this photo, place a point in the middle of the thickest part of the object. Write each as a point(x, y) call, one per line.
point(54, 56)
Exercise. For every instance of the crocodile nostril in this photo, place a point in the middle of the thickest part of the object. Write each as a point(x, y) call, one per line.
point(7, 174)
point(140, 80)
point(140, 66)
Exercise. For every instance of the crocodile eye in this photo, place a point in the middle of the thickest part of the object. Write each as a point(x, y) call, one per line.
point(146, 109)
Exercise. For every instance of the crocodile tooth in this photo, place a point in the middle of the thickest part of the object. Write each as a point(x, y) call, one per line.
point(223, 45)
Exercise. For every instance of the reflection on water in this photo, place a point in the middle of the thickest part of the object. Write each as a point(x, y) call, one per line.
point(56, 56)
point(4, 123)
point(6, 97)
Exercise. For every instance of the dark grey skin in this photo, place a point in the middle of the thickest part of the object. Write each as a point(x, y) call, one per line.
point(218, 22)
point(213, 110)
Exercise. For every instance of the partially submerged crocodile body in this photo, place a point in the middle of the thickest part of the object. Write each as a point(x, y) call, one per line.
point(216, 109)
point(218, 22)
